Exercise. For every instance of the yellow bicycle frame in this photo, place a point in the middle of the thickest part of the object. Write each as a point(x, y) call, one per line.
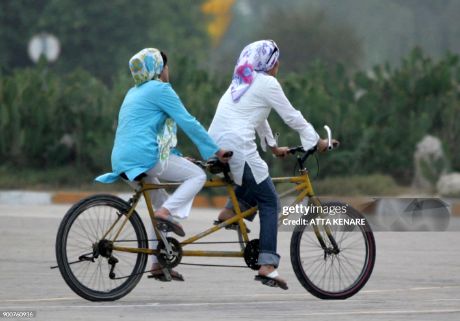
point(303, 187)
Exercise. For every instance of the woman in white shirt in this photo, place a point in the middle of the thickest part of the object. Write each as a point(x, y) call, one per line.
point(243, 111)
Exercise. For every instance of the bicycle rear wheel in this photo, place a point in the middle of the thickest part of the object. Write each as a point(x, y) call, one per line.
point(330, 274)
point(83, 256)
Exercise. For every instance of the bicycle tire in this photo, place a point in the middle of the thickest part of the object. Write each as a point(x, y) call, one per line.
point(106, 202)
point(358, 283)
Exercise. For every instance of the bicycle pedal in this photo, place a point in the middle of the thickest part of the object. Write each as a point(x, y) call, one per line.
point(163, 227)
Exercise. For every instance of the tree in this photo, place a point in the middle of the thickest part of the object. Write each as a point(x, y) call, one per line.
point(101, 36)
point(304, 34)
point(17, 20)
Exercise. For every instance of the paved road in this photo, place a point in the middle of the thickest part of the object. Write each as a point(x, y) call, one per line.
point(416, 277)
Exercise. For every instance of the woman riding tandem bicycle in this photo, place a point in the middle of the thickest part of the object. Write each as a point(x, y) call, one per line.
point(243, 111)
point(102, 246)
point(145, 141)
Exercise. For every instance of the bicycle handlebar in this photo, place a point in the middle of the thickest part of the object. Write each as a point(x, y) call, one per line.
point(311, 151)
point(299, 149)
point(292, 150)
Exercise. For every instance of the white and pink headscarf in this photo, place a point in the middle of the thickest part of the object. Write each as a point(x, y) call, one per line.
point(259, 56)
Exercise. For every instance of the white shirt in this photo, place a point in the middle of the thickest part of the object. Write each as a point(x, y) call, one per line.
point(235, 124)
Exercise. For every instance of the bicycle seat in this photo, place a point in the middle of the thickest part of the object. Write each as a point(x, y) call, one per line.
point(138, 178)
point(215, 166)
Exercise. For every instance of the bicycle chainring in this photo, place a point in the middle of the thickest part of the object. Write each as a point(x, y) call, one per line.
point(172, 260)
point(251, 254)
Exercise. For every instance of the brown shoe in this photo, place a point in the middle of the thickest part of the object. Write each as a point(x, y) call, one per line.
point(158, 274)
point(169, 224)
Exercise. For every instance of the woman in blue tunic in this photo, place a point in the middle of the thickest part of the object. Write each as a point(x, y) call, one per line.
point(145, 139)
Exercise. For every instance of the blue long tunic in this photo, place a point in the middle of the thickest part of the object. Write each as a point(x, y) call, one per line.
point(142, 116)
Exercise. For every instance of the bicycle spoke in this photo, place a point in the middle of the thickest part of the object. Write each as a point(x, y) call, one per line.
point(89, 228)
point(330, 271)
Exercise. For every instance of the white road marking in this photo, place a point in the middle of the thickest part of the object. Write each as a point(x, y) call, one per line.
point(306, 294)
point(38, 300)
point(94, 306)
point(412, 289)
point(373, 312)
point(161, 305)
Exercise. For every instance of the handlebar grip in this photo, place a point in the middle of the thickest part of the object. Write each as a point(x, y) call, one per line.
point(329, 137)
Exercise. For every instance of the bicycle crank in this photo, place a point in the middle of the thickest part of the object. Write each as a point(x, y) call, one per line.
point(251, 254)
point(169, 258)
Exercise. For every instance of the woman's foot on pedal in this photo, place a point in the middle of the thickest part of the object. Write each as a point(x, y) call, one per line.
point(269, 276)
point(158, 273)
point(226, 214)
point(166, 223)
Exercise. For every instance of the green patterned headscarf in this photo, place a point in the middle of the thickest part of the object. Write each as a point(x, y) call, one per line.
point(146, 65)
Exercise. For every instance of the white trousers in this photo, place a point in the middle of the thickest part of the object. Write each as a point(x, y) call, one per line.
point(179, 204)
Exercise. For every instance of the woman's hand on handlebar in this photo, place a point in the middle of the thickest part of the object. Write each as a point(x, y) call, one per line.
point(323, 145)
point(280, 151)
point(224, 155)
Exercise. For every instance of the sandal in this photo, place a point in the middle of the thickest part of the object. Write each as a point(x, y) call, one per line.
point(169, 224)
point(234, 226)
point(272, 280)
point(159, 275)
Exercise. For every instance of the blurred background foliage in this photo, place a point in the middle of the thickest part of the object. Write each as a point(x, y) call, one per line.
point(101, 36)
point(350, 64)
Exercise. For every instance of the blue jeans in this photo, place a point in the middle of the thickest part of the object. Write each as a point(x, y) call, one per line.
point(265, 197)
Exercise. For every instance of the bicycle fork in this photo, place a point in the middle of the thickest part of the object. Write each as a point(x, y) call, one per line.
point(327, 250)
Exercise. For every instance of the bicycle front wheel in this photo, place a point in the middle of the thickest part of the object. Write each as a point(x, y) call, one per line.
point(84, 255)
point(328, 271)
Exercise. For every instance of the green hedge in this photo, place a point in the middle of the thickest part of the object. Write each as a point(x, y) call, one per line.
point(48, 120)
point(380, 115)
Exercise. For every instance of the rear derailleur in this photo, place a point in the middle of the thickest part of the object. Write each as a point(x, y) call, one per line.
point(103, 248)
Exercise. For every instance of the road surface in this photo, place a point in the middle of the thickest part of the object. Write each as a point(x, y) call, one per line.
point(416, 277)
